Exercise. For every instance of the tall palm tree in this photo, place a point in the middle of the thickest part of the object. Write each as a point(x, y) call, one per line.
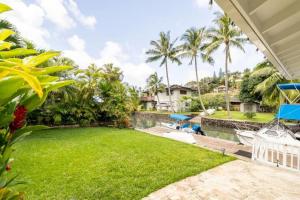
point(227, 35)
point(155, 85)
point(164, 49)
point(193, 48)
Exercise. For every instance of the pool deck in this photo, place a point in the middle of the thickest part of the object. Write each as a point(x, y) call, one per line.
point(232, 148)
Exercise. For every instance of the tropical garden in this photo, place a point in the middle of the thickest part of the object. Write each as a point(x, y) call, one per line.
point(42, 89)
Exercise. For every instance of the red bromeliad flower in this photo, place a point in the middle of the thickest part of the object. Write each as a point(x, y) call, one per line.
point(19, 119)
point(8, 167)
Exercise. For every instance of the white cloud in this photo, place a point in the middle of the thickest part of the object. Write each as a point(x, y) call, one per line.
point(29, 20)
point(88, 21)
point(76, 43)
point(57, 13)
point(134, 73)
point(202, 3)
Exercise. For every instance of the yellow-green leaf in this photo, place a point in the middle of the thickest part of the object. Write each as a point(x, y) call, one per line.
point(31, 80)
point(5, 45)
point(5, 33)
point(34, 61)
point(17, 53)
point(51, 70)
point(4, 8)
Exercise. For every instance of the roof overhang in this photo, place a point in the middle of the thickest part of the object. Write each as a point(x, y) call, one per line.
point(273, 26)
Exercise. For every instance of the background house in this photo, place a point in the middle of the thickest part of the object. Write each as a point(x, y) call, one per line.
point(177, 92)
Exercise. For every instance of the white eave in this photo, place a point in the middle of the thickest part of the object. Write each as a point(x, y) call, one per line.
point(273, 26)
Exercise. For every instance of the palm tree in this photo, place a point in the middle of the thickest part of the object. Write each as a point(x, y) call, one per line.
point(155, 85)
point(225, 34)
point(270, 77)
point(164, 49)
point(193, 48)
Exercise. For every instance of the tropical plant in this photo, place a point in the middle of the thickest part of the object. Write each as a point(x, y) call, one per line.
point(164, 49)
point(227, 34)
point(155, 85)
point(23, 88)
point(269, 77)
point(193, 48)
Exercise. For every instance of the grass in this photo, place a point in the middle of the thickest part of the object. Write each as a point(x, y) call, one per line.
point(105, 163)
point(260, 117)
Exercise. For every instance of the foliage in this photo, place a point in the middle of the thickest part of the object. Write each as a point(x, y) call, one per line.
point(210, 100)
point(250, 115)
point(24, 86)
point(97, 95)
point(106, 163)
point(261, 85)
point(247, 91)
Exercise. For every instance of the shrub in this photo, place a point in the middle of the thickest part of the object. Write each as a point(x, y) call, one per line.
point(250, 115)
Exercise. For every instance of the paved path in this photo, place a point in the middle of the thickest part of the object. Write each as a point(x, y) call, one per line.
point(235, 180)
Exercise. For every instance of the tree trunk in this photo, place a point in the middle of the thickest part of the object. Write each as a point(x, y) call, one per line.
point(198, 86)
point(169, 89)
point(158, 102)
point(226, 82)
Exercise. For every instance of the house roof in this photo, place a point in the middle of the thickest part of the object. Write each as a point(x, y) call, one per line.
point(235, 100)
point(273, 26)
point(179, 87)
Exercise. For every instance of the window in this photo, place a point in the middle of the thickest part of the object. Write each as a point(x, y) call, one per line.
point(183, 92)
point(167, 91)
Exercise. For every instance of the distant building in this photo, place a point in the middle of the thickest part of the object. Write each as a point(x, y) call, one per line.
point(220, 89)
point(177, 92)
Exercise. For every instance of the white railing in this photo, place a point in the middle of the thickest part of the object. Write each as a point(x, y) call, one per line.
point(276, 154)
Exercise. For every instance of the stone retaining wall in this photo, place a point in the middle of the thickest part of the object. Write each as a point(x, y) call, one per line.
point(156, 116)
point(211, 121)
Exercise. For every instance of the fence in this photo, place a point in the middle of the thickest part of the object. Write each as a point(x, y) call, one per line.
point(276, 154)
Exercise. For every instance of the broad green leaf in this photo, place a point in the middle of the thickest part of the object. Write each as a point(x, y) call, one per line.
point(31, 80)
point(7, 114)
point(34, 61)
point(18, 52)
point(55, 85)
point(50, 70)
point(34, 101)
point(5, 33)
point(5, 45)
point(9, 86)
point(16, 94)
point(4, 8)
point(45, 79)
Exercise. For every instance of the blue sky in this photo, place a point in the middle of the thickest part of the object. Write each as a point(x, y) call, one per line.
point(102, 31)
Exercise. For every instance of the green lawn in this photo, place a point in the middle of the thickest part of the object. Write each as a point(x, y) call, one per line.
point(105, 163)
point(260, 117)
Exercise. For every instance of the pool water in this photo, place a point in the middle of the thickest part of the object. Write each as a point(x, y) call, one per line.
point(211, 131)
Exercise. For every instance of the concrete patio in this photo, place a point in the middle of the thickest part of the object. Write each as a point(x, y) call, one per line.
point(235, 180)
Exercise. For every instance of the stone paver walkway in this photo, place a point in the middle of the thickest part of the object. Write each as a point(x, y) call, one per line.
point(235, 180)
